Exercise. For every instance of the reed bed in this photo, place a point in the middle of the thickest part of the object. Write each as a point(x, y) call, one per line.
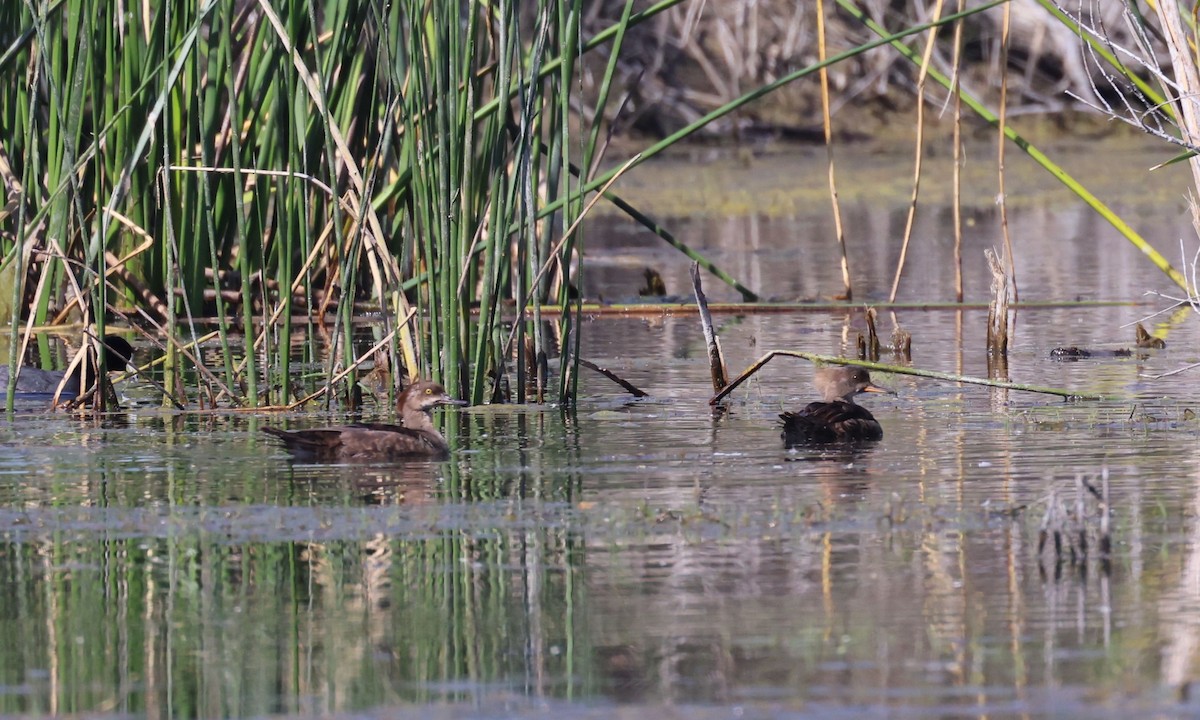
point(277, 172)
point(272, 175)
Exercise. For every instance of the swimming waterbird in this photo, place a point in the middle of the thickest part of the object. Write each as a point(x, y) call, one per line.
point(415, 438)
point(835, 418)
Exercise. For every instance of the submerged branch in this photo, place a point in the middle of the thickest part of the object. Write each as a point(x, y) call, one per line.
point(630, 387)
point(897, 370)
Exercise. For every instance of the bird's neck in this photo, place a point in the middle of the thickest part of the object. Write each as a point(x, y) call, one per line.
point(419, 420)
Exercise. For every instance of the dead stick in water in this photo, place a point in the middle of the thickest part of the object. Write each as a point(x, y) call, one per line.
point(716, 361)
point(633, 389)
point(997, 336)
point(896, 370)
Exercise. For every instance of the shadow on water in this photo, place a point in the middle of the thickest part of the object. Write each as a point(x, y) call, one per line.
point(633, 557)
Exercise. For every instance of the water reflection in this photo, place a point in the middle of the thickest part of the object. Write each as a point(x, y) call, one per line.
point(642, 552)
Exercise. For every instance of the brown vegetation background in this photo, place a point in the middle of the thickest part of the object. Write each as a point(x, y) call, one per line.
point(699, 56)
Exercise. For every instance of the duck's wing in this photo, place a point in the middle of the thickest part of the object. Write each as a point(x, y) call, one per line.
point(381, 427)
point(315, 444)
point(385, 440)
point(829, 422)
point(361, 441)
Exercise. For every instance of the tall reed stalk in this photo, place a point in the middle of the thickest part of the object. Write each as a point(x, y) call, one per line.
point(315, 162)
point(262, 165)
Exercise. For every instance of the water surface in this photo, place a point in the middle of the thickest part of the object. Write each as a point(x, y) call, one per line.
point(650, 558)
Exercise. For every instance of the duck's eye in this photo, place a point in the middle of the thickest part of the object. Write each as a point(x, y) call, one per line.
point(428, 391)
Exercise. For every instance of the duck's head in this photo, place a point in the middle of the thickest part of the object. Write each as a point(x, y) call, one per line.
point(423, 396)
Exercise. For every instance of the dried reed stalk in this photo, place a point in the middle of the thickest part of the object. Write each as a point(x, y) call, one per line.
point(868, 347)
point(827, 121)
point(997, 337)
point(919, 157)
point(1001, 145)
point(1187, 79)
point(958, 155)
point(716, 361)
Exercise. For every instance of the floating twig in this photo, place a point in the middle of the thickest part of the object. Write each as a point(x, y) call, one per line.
point(897, 370)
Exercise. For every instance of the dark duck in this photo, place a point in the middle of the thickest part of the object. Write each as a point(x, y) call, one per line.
point(415, 438)
point(35, 383)
point(836, 418)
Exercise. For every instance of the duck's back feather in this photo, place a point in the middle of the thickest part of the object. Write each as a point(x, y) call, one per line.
point(837, 421)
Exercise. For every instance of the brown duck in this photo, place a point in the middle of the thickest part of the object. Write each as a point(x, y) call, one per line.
point(836, 418)
point(416, 438)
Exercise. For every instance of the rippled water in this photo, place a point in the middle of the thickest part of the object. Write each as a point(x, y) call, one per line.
point(645, 558)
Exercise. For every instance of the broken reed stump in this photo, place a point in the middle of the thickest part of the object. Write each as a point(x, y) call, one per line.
point(537, 370)
point(869, 346)
point(901, 340)
point(716, 360)
point(997, 335)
